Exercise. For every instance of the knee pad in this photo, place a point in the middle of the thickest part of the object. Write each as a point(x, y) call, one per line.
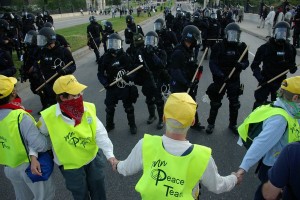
point(235, 105)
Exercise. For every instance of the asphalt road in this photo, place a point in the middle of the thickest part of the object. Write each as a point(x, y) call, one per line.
point(227, 154)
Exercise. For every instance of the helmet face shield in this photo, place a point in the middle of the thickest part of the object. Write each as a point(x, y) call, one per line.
point(213, 15)
point(280, 33)
point(232, 36)
point(28, 39)
point(151, 41)
point(115, 44)
point(41, 40)
point(157, 26)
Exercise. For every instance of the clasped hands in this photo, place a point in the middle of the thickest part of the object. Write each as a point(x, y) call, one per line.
point(114, 162)
point(239, 175)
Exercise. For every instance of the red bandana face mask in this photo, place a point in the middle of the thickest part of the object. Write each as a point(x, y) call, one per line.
point(15, 104)
point(73, 108)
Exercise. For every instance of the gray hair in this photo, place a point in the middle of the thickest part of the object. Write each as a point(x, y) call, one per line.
point(171, 125)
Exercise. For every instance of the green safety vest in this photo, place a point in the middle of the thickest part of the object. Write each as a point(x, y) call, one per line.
point(264, 112)
point(166, 176)
point(12, 150)
point(74, 146)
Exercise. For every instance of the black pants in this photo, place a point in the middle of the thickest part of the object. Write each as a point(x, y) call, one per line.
point(263, 177)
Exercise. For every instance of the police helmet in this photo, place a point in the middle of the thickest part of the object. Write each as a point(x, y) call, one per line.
point(179, 15)
point(4, 25)
point(159, 24)
point(151, 39)
point(46, 12)
point(30, 37)
point(48, 24)
point(196, 16)
point(232, 32)
point(114, 43)
point(281, 31)
point(213, 15)
point(30, 17)
point(191, 34)
point(45, 36)
point(108, 25)
point(206, 13)
point(92, 19)
point(129, 19)
point(8, 16)
point(18, 19)
point(188, 16)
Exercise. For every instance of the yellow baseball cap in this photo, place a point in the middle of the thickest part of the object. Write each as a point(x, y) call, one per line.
point(180, 107)
point(291, 84)
point(7, 85)
point(68, 84)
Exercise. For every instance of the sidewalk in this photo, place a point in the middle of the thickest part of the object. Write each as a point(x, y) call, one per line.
point(249, 25)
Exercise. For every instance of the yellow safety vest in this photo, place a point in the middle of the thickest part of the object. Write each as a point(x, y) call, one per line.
point(266, 111)
point(12, 150)
point(166, 176)
point(74, 146)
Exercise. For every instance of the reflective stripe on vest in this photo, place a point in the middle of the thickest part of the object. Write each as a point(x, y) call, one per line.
point(74, 146)
point(166, 176)
point(266, 111)
point(12, 150)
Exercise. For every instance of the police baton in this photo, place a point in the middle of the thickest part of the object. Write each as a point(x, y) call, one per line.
point(232, 71)
point(52, 77)
point(119, 79)
point(94, 42)
point(276, 77)
point(194, 77)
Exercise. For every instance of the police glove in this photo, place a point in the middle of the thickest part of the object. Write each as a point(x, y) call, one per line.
point(61, 72)
point(239, 66)
point(263, 82)
point(293, 69)
point(125, 78)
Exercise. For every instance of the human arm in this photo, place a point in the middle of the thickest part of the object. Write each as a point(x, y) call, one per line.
point(270, 192)
point(272, 131)
point(133, 163)
point(215, 183)
point(177, 62)
point(213, 62)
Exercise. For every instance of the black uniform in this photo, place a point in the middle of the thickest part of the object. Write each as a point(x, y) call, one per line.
point(7, 67)
point(52, 61)
point(152, 77)
point(93, 34)
point(223, 59)
point(276, 59)
point(182, 69)
point(296, 36)
point(111, 67)
point(105, 33)
point(129, 39)
point(167, 41)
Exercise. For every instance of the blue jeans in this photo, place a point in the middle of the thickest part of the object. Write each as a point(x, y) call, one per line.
point(86, 182)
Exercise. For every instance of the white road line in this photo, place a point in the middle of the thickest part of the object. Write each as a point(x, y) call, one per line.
point(252, 54)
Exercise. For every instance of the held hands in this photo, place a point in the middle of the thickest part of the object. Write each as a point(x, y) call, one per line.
point(239, 174)
point(114, 162)
point(35, 166)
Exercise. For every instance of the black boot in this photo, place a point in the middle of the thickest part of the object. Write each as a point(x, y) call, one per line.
point(160, 112)
point(131, 122)
point(210, 128)
point(233, 115)
point(214, 108)
point(109, 119)
point(197, 126)
point(152, 117)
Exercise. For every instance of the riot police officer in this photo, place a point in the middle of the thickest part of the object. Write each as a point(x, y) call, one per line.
point(28, 71)
point(39, 20)
point(59, 38)
point(115, 63)
point(277, 55)
point(7, 67)
point(183, 66)
point(152, 76)
point(133, 35)
point(169, 19)
point(214, 30)
point(28, 23)
point(53, 58)
point(296, 35)
point(47, 17)
point(108, 29)
point(178, 24)
point(93, 35)
point(167, 38)
point(224, 57)
point(202, 25)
